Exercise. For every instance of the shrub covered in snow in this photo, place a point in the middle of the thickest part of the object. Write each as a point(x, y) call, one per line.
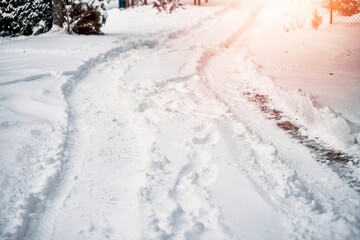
point(85, 17)
point(24, 17)
point(316, 19)
point(27, 17)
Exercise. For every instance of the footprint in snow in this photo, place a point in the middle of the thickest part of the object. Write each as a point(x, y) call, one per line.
point(210, 139)
point(202, 167)
point(202, 127)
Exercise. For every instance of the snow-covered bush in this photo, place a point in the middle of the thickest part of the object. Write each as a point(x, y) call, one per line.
point(85, 16)
point(167, 5)
point(24, 17)
point(316, 19)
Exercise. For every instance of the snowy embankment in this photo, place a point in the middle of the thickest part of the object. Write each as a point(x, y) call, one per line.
point(154, 137)
point(312, 75)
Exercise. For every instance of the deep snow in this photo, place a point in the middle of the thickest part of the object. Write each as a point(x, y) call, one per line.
point(148, 131)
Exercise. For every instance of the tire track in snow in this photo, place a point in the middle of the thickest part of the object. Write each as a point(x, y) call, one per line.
point(42, 201)
point(175, 203)
point(26, 79)
point(106, 164)
point(177, 181)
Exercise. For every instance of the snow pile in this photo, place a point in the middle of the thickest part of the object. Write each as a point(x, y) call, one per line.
point(318, 122)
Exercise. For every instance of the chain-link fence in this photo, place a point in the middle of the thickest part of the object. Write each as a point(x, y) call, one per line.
point(344, 11)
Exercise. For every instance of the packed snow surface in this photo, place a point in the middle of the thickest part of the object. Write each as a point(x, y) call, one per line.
point(208, 123)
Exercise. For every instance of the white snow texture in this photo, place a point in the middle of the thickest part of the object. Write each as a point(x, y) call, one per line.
point(162, 129)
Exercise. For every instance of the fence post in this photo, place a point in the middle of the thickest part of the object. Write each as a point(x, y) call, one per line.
point(331, 11)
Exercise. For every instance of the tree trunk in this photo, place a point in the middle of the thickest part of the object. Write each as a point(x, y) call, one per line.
point(58, 10)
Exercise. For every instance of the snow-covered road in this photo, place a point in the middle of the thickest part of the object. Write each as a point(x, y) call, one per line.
point(163, 142)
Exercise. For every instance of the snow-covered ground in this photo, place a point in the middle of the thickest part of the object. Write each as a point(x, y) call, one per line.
point(171, 126)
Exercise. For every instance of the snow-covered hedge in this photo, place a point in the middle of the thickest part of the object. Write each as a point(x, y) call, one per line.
point(84, 16)
point(27, 17)
point(24, 17)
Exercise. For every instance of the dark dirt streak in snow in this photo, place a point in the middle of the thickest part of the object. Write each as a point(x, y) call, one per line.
point(337, 160)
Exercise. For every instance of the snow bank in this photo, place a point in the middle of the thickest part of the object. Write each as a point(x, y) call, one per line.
point(311, 75)
point(319, 122)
